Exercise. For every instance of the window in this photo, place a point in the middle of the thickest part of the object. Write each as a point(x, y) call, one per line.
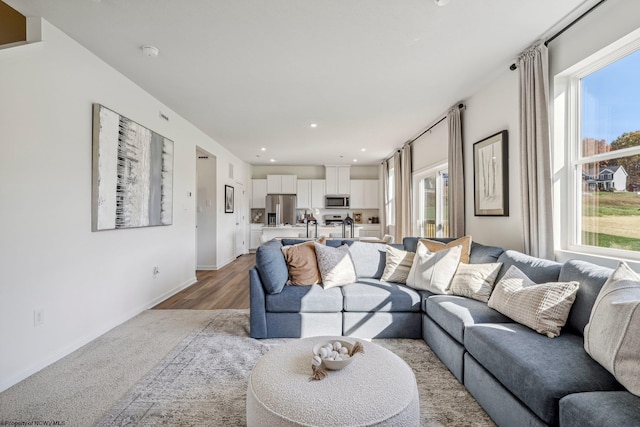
point(431, 202)
point(391, 199)
point(605, 157)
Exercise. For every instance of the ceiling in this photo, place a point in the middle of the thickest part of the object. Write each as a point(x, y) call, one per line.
point(255, 74)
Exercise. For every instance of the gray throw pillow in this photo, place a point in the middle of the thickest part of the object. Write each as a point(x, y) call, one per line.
point(612, 336)
point(335, 265)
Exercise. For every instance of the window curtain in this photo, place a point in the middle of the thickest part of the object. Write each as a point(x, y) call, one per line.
point(383, 173)
point(456, 174)
point(397, 197)
point(406, 199)
point(535, 158)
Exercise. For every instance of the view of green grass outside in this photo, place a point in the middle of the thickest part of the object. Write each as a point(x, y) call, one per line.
point(611, 220)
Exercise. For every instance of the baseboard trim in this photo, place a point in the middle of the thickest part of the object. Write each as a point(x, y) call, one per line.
point(86, 339)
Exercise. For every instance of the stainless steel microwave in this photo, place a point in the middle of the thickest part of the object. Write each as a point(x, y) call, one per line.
point(336, 202)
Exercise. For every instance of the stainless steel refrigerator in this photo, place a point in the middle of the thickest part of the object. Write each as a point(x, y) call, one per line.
point(281, 209)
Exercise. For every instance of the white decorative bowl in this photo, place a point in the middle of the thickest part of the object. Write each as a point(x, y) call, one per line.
point(334, 365)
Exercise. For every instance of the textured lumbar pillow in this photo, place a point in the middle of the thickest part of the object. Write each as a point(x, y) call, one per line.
point(475, 280)
point(433, 271)
point(302, 264)
point(397, 266)
point(335, 265)
point(612, 336)
point(435, 246)
point(544, 307)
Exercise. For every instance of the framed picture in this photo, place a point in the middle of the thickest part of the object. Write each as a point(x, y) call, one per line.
point(132, 176)
point(491, 175)
point(357, 217)
point(228, 199)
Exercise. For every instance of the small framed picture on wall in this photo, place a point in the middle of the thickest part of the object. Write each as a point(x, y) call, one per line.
point(228, 199)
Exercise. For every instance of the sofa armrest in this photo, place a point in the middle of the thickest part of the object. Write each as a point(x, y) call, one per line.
point(257, 311)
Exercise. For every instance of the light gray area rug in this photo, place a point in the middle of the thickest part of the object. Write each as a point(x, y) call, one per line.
point(203, 381)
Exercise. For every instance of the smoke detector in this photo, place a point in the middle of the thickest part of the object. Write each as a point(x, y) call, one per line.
point(151, 51)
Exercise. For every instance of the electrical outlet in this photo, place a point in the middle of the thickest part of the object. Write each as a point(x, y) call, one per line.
point(38, 317)
point(156, 271)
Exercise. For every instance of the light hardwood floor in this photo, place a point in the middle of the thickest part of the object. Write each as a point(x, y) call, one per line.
point(224, 288)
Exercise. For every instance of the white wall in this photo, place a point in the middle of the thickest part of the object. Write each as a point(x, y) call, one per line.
point(86, 282)
point(493, 109)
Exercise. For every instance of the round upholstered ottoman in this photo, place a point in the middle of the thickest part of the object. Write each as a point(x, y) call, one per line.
point(376, 388)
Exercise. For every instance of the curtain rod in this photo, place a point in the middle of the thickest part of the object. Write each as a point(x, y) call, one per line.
point(571, 24)
point(460, 106)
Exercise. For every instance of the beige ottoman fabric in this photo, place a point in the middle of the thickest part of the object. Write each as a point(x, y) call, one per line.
point(377, 388)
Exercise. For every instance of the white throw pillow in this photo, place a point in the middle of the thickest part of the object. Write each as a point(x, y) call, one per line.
point(397, 266)
point(433, 271)
point(544, 307)
point(475, 280)
point(612, 336)
point(335, 265)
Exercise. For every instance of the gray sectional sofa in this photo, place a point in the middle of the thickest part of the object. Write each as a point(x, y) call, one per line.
point(520, 377)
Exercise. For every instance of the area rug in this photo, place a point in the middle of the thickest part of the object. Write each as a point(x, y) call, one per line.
point(203, 381)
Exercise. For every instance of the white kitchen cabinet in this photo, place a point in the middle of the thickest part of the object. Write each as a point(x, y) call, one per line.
point(256, 233)
point(337, 179)
point(369, 230)
point(364, 194)
point(281, 184)
point(310, 193)
point(258, 193)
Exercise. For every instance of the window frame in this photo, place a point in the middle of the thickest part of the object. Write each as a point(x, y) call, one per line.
point(572, 212)
point(418, 177)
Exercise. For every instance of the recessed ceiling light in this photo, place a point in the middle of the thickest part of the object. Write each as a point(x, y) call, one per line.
point(272, 160)
point(151, 51)
point(263, 149)
point(363, 149)
point(313, 125)
point(355, 160)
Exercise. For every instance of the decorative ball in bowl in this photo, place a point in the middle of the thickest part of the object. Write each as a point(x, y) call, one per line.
point(334, 355)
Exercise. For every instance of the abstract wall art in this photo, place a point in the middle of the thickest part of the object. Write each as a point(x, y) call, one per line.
point(132, 174)
point(491, 175)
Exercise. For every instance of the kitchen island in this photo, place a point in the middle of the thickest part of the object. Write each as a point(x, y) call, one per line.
point(289, 231)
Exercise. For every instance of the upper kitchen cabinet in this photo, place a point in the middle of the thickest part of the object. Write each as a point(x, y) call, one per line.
point(338, 179)
point(258, 193)
point(310, 193)
point(364, 194)
point(281, 184)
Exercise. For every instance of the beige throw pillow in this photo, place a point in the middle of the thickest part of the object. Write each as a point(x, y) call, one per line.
point(475, 280)
point(435, 246)
point(612, 336)
point(397, 266)
point(433, 271)
point(335, 265)
point(302, 264)
point(544, 308)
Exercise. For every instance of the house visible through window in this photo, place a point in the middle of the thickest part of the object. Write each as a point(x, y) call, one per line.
point(607, 156)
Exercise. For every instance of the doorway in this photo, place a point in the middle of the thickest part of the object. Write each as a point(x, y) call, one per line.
point(206, 208)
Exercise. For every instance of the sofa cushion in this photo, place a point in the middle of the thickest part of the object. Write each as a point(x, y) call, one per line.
point(591, 278)
point(542, 307)
point(537, 269)
point(397, 265)
point(435, 246)
point(305, 299)
point(271, 266)
point(612, 336)
point(475, 280)
point(433, 271)
point(536, 369)
point(335, 265)
point(375, 295)
point(479, 254)
point(368, 258)
point(454, 313)
point(302, 264)
point(600, 408)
